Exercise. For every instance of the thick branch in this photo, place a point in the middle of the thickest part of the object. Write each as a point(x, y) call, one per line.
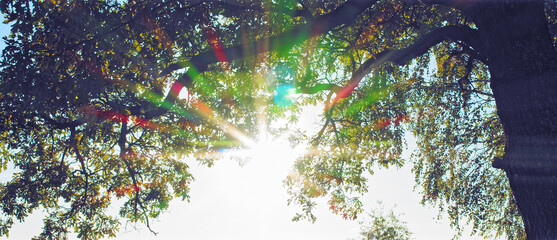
point(318, 88)
point(403, 56)
point(449, 33)
point(343, 15)
point(122, 138)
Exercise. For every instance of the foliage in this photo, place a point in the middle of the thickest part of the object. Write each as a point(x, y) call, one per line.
point(458, 137)
point(77, 80)
point(93, 108)
point(442, 98)
point(382, 226)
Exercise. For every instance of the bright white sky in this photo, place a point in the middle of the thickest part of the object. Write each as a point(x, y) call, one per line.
point(249, 203)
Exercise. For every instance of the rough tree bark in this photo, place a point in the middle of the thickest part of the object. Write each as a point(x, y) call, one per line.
point(513, 40)
point(522, 61)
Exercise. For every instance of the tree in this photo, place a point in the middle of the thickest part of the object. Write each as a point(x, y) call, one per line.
point(382, 225)
point(91, 107)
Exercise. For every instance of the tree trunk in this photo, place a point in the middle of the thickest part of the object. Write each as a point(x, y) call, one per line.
point(522, 63)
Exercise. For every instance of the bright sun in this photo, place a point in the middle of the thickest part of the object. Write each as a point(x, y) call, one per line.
point(267, 148)
point(275, 151)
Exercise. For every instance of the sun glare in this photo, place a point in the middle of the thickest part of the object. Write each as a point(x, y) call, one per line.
point(270, 151)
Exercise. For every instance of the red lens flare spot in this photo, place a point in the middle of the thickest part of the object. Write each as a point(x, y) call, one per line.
point(214, 40)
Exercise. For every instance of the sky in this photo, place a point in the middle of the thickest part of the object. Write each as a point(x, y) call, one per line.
point(249, 202)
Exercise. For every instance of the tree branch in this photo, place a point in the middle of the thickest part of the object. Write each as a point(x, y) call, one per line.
point(449, 33)
point(317, 138)
point(343, 15)
point(318, 88)
point(403, 56)
point(61, 125)
point(82, 201)
point(125, 153)
point(481, 93)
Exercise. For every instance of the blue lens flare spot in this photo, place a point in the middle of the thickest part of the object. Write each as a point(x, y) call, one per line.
point(283, 95)
point(225, 150)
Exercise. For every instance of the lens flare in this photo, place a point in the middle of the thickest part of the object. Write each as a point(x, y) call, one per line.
point(283, 95)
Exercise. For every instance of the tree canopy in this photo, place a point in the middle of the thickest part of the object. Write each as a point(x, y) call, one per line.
point(384, 226)
point(103, 100)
